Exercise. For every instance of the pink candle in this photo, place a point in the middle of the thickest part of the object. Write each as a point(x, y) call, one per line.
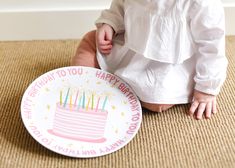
point(97, 106)
point(75, 102)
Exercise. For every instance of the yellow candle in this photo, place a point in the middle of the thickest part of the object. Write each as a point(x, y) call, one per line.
point(88, 103)
point(61, 97)
point(70, 101)
point(92, 102)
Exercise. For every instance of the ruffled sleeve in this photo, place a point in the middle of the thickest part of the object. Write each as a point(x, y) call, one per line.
point(208, 31)
point(114, 16)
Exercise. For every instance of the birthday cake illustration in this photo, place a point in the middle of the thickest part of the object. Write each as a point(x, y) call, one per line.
point(80, 119)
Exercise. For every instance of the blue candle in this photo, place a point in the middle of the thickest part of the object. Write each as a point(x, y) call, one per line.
point(66, 98)
point(80, 101)
point(104, 103)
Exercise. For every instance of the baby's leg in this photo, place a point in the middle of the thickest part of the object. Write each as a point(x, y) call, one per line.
point(156, 107)
point(86, 56)
point(86, 52)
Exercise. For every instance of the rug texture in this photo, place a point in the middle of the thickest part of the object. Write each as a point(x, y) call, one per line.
point(165, 140)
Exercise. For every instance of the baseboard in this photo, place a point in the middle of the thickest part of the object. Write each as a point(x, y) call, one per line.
point(45, 25)
point(230, 20)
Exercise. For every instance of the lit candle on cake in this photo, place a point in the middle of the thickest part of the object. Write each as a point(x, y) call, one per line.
point(75, 102)
point(66, 98)
point(80, 101)
point(83, 100)
point(104, 103)
point(61, 97)
point(97, 106)
point(92, 101)
point(88, 103)
point(70, 102)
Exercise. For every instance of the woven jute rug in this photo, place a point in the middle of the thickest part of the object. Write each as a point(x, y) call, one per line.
point(169, 139)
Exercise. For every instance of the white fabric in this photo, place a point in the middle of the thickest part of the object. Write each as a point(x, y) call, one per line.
point(166, 48)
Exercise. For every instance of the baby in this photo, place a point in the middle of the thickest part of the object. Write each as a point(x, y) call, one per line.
point(169, 51)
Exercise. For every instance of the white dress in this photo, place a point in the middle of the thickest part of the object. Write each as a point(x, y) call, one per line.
point(164, 49)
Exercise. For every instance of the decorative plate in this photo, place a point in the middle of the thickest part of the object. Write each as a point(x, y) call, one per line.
point(81, 112)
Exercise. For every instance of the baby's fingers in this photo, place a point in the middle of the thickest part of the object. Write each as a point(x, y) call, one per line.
point(101, 38)
point(193, 107)
point(104, 42)
point(106, 47)
point(214, 109)
point(105, 52)
point(200, 111)
point(208, 110)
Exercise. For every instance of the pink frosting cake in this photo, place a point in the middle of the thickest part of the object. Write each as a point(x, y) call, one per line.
point(79, 124)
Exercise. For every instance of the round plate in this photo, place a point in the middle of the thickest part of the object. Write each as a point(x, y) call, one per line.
point(81, 112)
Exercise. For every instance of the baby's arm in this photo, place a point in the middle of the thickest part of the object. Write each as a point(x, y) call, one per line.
point(208, 30)
point(111, 21)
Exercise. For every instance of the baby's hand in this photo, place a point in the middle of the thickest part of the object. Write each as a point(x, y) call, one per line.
point(202, 103)
point(104, 38)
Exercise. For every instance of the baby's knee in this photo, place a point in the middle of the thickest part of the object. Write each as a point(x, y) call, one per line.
point(86, 51)
point(88, 41)
point(156, 107)
point(88, 44)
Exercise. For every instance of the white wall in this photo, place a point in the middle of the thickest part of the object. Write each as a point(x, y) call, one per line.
point(42, 5)
point(62, 19)
point(52, 5)
point(228, 3)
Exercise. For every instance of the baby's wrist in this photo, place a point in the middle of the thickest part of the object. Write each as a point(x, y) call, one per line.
point(105, 25)
point(203, 93)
